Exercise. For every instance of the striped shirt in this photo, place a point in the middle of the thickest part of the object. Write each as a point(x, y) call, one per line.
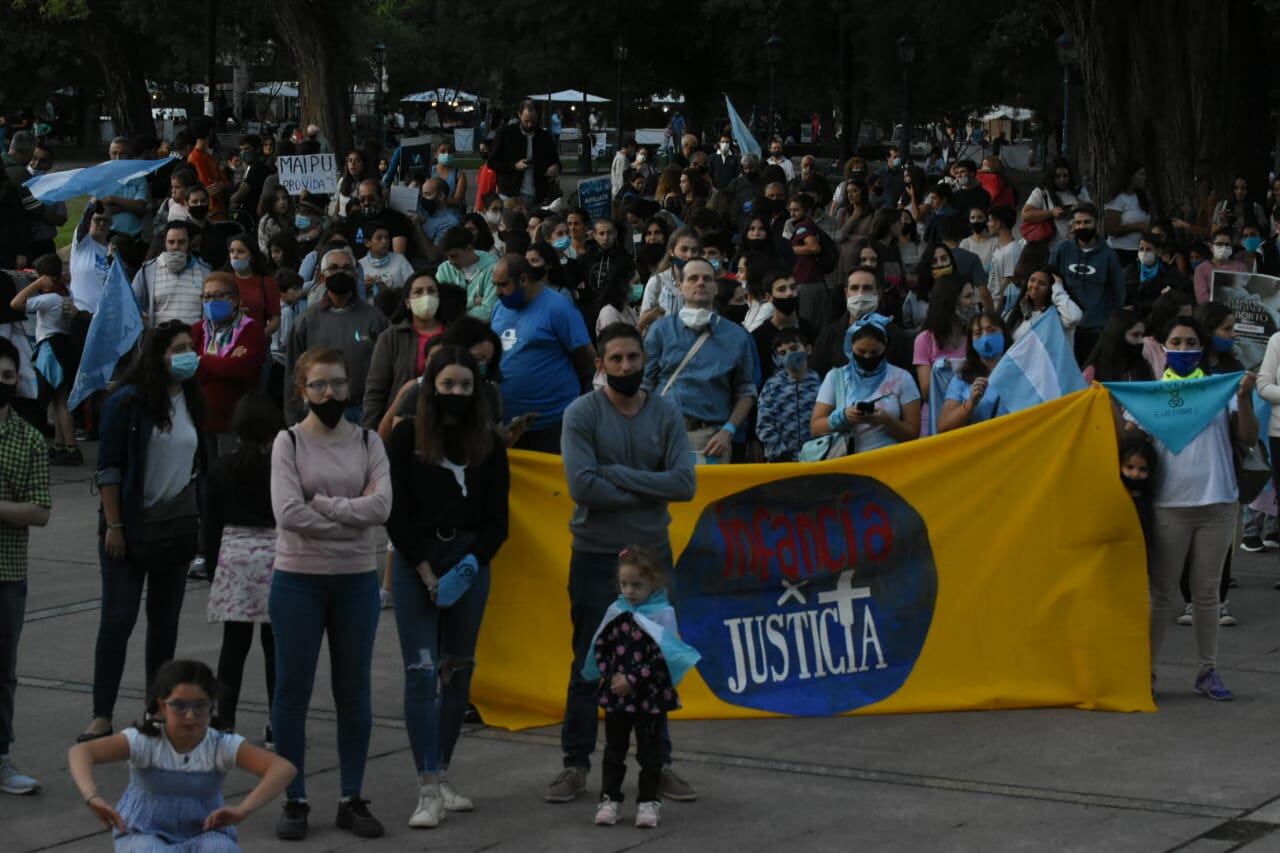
point(164, 296)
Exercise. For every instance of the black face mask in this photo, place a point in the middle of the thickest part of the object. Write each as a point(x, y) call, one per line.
point(787, 305)
point(737, 313)
point(8, 390)
point(1133, 484)
point(978, 227)
point(199, 211)
point(340, 284)
point(430, 205)
point(626, 385)
point(329, 412)
point(651, 253)
point(868, 363)
point(1085, 235)
point(454, 407)
point(757, 245)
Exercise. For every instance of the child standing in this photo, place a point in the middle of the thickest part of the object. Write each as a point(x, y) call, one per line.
point(1137, 470)
point(639, 659)
point(176, 766)
point(788, 397)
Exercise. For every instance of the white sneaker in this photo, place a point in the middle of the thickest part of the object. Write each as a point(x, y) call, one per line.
point(606, 812)
point(453, 801)
point(647, 814)
point(1225, 619)
point(384, 598)
point(430, 810)
point(1185, 618)
point(14, 781)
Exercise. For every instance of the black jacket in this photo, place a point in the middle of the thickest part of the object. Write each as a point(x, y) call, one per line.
point(828, 350)
point(509, 148)
point(1141, 294)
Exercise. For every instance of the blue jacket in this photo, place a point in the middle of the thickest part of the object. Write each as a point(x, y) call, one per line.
point(1093, 278)
point(125, 431)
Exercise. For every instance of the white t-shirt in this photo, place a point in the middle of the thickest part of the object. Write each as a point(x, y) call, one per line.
point(984, 250)
point(1004, 260)
point(170, 454)
point(1204, 472)
point(895, 390)
point(89, 267)
point(51, 319)
point(217, 752)
point(662, 290)
point(393, 274)
point(1130, 214)
point(1038, 200)
point(758, 314)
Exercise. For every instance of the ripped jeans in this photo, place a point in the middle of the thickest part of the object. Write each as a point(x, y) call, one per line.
point(438, 646)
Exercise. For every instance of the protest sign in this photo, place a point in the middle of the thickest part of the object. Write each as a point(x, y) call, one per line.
point(1255, 300)
point(415, 158)
point(594, 197)
point(404, 199)
point(314, 173)
point(862, 584)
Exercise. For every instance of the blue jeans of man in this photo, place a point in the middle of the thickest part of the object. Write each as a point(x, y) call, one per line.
point(122, 583)
point(303, 609)
point(438, 646)
point(13, 608)
point(593, 586)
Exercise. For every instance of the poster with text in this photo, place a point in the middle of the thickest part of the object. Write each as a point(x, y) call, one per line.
point(1255, 300)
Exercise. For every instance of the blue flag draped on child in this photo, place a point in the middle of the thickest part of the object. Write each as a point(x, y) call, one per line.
point(112, 332)
point(746, 142)
point(657, 618)
point(1038, 368)
point(1176, 410)
point(100, 180)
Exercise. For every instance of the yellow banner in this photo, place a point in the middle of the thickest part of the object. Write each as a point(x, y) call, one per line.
point(999, 566)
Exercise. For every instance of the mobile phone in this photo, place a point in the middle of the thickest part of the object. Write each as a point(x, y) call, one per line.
point(866, 407)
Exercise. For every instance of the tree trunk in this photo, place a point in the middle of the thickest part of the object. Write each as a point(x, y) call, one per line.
point(1170, 85)
point(316, 38)
point(123, 77)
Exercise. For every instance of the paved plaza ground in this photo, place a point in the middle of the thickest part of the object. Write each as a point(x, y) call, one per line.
point(1198, 776)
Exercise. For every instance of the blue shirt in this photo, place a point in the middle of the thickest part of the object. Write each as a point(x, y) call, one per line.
point(722, 372)
point(537, 372)
point(441, 221)
point(958, 390)
point(127, 223)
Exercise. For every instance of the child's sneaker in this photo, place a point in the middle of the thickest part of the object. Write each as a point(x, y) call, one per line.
point(647, 815)
point(384, 598)
point(606, 812)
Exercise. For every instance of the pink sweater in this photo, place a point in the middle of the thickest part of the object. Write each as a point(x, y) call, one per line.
point(330, 495)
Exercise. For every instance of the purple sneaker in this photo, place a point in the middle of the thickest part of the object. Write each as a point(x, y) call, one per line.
point(1210, 684)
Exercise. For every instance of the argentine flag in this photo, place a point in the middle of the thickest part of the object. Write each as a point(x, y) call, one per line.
point(115, 327)
point(100, 180)
point(746, 142)
point(1038, 368)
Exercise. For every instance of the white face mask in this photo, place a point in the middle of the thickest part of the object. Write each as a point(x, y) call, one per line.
point(724, 148)
point(493, 217)
point(1221, 253)
point(1147, 258)
point(424, 306)
point(695, 318)
point(173, 261)
point(861, 304)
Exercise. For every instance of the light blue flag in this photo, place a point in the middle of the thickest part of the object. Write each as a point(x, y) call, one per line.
point(115, 327)
point(1038, 368)
point(746, 142)
point(940, 376)
point(1176, 410)
point(100, 180)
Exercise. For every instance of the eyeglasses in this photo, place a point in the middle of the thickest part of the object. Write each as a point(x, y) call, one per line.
point(218, 297)
point(333, 270)
point(200, 708)
point(317, 386)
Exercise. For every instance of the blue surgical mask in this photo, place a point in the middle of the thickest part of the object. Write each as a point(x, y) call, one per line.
point(1221, 344)
point(183, 365)
point(990, 345)
point(514, 300)
point(637, 292)
point(380, 262)
point(218, 312)
point(715, 264)
point(795, 360)
point(241, 264)
point(1251, 244)
point(1182, 362)
point(303, 222)
point(561, 243)
point(444, 159)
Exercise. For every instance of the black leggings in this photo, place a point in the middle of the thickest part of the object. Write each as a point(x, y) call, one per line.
point(237, 640)
point(618, 726)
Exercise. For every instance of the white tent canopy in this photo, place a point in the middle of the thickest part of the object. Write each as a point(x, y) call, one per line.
point(667, 98)
point(1012, 113)
point(570, 96)
point(447, 96)
point(277, 90)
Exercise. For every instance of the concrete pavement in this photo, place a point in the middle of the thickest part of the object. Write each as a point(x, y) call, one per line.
point(1198, 776)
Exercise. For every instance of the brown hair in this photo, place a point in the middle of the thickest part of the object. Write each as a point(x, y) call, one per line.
point(309, 359)
point(646, 561)
point(224, 278)
point(474, 435)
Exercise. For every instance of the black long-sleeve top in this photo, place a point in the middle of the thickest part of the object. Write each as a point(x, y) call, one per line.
point(427, 498)
point(229, 502)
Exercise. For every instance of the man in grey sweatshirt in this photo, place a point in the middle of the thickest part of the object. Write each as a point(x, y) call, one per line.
point(626, 456)
point(339, 321)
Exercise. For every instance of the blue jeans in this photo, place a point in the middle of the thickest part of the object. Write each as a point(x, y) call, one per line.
point(303, 609)
point(434, 638)
point(13, 608)
point(122, 582)
point(593, 586)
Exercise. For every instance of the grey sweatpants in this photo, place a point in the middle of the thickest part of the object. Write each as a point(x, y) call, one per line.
point(1204, 534)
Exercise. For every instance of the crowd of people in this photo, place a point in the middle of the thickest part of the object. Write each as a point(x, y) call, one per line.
point(318, 371)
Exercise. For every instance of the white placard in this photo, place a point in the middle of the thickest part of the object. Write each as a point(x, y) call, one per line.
point(404, 199)
point(315, 173)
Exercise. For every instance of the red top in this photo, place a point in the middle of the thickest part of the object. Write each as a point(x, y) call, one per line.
point(486, 182)
point(1000, 190)
point(424, 344)
point(224, 379)
point(260, 297)
point(207, 171)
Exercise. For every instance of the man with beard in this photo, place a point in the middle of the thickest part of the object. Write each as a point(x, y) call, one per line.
point(524, 157)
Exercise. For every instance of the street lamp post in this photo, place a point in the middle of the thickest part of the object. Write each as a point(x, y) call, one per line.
point(907, 56)
point(380, 56)
point(619, 55)
point(1068, 55)
point(773, 49)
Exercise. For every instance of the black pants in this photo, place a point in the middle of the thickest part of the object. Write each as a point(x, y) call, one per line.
point(545, 440)
point(1086, 340)
point(237, 640)
point(13, 605)
point(617, 740)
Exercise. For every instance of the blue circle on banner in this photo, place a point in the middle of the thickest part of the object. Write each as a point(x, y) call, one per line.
point(808, 596)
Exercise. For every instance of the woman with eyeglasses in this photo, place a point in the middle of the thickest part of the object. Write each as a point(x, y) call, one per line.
point(330, 492)
point(152, 451)
point(232, 350)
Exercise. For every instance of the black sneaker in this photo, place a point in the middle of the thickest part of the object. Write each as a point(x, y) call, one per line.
point(353, 815)
point(472, 716)
point(268, 739)
point(1252, 544)
point(68, 456)
point(292, 823)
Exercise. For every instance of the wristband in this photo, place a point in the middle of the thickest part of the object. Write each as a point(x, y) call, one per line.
point(119, 525)
point(730, 428)
point(91, 798)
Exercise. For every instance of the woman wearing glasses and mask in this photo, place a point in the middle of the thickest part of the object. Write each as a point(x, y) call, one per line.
point(330, 492)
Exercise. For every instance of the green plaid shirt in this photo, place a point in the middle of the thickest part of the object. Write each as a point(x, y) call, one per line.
point(24, 477)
